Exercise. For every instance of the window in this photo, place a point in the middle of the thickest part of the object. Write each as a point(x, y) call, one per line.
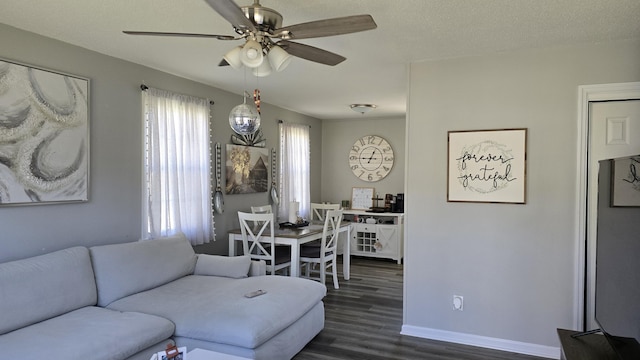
point(177, 188)
point(294, 168)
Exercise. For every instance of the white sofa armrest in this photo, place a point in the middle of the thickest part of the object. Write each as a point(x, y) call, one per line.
point(258, 268)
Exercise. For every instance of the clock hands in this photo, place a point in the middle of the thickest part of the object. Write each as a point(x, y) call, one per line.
point(374, 151)
point(370, 158)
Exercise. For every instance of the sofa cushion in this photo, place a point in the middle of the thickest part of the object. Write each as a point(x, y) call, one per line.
point(125, 269)
point(45, 286)
point(87, 333)
point(215, 309)
point(228, 266)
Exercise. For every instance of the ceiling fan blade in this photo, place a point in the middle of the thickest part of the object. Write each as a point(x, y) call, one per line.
point(311, 53)
point(223, 62)
point(155, 33)
point(229, 10)
point(327, 27)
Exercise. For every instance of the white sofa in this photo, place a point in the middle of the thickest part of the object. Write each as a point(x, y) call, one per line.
point(127, 301)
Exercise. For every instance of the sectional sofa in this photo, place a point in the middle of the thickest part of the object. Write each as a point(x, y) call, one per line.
point(127, 301)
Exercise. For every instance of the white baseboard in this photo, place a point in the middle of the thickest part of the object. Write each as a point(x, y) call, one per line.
point(482, 341)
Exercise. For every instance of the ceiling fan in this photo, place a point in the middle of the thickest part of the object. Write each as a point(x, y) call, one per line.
point(268, 45)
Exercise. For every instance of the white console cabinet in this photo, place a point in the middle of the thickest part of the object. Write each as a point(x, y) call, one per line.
point(381, 236)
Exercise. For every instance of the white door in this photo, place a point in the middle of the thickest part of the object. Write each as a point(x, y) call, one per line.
point(614, 131)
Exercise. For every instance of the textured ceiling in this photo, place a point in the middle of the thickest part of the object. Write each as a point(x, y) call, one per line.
point(377, 60)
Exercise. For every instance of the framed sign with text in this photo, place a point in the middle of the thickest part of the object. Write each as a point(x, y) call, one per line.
point(625, 181)
point(487, 166)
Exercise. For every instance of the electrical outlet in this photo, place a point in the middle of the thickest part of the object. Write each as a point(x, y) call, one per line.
point(458, 302)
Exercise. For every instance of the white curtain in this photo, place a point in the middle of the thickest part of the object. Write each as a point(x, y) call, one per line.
point(177, 188)
point(294, 169)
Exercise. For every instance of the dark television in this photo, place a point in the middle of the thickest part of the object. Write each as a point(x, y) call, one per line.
point(617, 289)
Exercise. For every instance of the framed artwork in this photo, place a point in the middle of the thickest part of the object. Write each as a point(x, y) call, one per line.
point(625, 181)
point(44, 136)
point(361, 198)
point(247, 170)
point(487, 166)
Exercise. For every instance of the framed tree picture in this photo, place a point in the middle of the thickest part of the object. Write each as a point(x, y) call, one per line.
point(247, 170)
point(487, 166)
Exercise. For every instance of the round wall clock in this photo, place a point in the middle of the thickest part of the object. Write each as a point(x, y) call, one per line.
point(371, 158)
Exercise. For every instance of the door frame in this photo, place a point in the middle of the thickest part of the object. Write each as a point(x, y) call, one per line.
point(586, 95)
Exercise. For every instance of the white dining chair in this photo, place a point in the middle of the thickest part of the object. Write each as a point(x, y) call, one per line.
point(258, 241)
point(325, 254)
point(319, 210)
point(263, 209)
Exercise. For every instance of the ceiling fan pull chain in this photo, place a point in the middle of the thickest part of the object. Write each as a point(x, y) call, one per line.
point(256, 99)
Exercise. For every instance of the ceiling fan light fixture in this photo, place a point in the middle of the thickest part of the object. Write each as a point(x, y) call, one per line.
point(264, 69)
point(233, 57)
point(362, 108)
point(278, 58)
point(251, 54)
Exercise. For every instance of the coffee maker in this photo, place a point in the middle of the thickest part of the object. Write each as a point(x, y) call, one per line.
point(398, 205)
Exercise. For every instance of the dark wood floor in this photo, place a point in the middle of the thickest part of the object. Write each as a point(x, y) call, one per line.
point(363, 320)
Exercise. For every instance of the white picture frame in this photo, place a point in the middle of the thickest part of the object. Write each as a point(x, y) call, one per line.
point(362, 198)
point(487, 166)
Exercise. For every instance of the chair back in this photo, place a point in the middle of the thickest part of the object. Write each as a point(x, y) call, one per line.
point(264, 209)
point(258, 237)
point(319, 211)
point(330, 232)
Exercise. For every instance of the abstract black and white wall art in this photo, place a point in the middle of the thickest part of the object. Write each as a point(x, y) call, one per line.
point(44, 136)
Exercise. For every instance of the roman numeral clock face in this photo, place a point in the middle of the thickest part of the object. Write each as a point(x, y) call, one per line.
point(371, 158)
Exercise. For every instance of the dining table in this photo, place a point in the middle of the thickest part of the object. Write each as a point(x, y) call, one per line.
point(296, 236)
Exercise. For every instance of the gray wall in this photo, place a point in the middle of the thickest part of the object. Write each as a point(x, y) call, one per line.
point(337, 139)
point(514, 264)
point(113, 213)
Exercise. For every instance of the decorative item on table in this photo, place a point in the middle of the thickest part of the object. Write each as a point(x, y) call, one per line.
point(294, 208)
point(388, 202)
point(345, 204)
point(172, 352)
point(376, 208)
point(398, 206)
point(300, 223)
